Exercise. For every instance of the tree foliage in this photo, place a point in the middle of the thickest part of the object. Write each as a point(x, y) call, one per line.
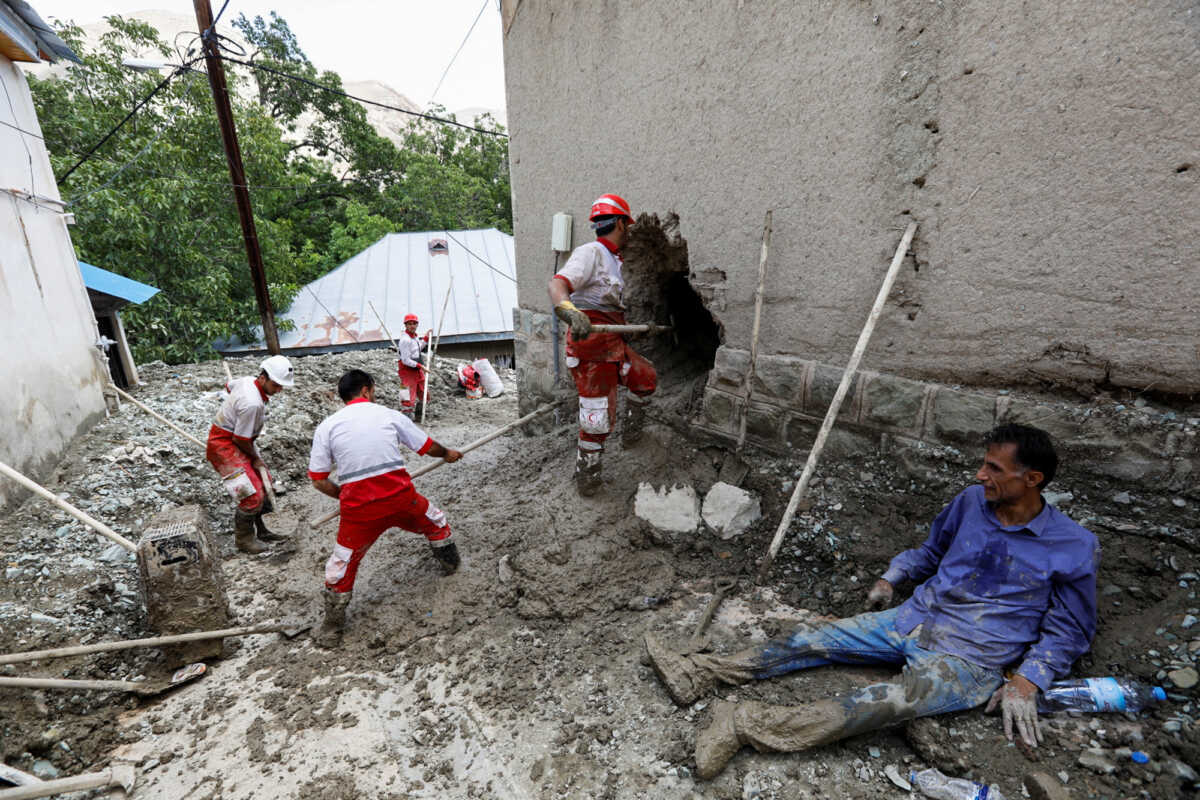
point(155, 204)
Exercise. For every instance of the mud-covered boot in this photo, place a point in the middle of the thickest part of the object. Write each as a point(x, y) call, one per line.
point(330, 634)
point(447, 556)
point(264, 533)
point(684, 680)
point(243, 533)
point(635, 420)
point(587, 472)
point(719, 742)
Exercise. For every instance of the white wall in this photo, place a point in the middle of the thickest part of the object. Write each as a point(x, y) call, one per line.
point(49, 367)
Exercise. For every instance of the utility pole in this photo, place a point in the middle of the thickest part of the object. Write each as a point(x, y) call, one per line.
point(237, 174)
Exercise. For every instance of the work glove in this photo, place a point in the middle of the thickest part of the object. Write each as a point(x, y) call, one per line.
point(1018, 703)
point(581, 326)
point(880, 596)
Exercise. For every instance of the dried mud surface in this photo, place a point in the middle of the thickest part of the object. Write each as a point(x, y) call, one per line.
point(522, 675)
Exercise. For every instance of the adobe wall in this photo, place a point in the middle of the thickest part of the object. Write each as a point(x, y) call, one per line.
point(1047, 150)
point(50, 367)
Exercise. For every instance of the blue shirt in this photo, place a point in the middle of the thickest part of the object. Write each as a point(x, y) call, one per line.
point(1002, 594)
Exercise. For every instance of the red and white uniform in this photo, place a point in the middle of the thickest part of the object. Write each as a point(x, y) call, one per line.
point(241, 418)
point(363, 442)
point(411, 375)
point(603, 361)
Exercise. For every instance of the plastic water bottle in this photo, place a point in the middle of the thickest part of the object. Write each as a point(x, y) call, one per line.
point(934, 784)
point(1100, 694)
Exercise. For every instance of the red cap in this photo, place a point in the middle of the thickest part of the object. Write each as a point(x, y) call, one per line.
point(410, 318)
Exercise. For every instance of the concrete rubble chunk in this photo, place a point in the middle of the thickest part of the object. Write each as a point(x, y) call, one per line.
point(1042, 786)
point(1184, 678)
point(1096, 762)
point(730, 510)
point(676, 509)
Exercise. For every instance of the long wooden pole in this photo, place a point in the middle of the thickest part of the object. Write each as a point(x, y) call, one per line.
point(632, 328)
point(814, 455)
point(137, 687)
point(477, 443)
point(758, 304)
point(131, 644)
point(160, 417)
point(93, 523)
point(433, 346)
point(118, 775)
point(237, 173)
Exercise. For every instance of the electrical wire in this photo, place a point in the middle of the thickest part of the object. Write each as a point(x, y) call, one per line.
point(22, 130)
point(459, 50)
point(331, 90)
point(25, 144)
point(480, 258)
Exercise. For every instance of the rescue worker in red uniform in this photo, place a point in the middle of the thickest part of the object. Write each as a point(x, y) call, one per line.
point(233, 454)
point(412, 371)
point(590, 289)
point(375, 492)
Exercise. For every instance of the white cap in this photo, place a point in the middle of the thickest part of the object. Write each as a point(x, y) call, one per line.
point(278, 369)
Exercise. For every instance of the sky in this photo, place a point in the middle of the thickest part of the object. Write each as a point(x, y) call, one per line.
point(407, 44)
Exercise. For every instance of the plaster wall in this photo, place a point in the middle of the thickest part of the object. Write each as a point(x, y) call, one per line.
point(1049, 152)
point(51, 370)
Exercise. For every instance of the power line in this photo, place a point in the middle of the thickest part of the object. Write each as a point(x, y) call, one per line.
point(482, 260)
point(22, 130)
point(459, 50)
point(331, 90)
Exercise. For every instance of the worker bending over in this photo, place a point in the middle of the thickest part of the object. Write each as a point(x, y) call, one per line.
point(375, 491)
point(590, 289)
point(1004, 580)
point(233, 454)
point(412, 371)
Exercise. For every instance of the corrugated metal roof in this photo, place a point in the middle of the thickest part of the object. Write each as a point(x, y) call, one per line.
point(400, 275)
point(110, 283)
point(28, 36)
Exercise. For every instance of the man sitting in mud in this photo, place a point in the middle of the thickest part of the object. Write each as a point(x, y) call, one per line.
point(1005, 580)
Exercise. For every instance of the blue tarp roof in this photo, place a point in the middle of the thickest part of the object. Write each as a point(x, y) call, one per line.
point(101, 280)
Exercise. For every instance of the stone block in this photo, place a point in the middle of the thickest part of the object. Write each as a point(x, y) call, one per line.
point(676, 509)
point(800, 431)
point(823, 387)
point(782, 378)
point(1043, 786)
point(764, 422)
point(729, 368)
point(892, 402)
point(541, 327)
point(961, 417)
point(729, 510)
point(182, 582)
point(1054, 420)
point(720, 409)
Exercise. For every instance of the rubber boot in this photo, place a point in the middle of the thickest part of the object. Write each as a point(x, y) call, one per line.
point(587, 472)
point(447, 556)
point(264, 534)
point(243, 533)
point(330, 634)
point(635, 420)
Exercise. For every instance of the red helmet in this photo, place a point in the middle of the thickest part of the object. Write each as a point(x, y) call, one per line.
point(410, 318)
point(609, 205)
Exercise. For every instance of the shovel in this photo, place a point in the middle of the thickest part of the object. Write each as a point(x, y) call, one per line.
point(144, 688)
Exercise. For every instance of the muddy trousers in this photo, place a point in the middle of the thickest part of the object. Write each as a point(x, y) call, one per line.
point(227, 458)
point(412, 379)
point(597, 383)
point(929, 683)
point(408, 510)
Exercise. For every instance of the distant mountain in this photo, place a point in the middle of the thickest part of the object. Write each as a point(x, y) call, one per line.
point(179, 31)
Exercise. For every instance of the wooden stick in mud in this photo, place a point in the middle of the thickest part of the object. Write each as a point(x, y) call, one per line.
point(758, 304)
point(814, 455)
point(160, 417)
point(131, 644)
point(383, 325)
point(433, 347)
point(122, 775)
point(228, 374)
point(468, 448)
point(93, 523)
point(632, 328)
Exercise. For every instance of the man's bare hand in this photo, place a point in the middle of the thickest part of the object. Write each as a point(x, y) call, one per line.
point(880, 596)
point(1018, 702)
point(452, 456)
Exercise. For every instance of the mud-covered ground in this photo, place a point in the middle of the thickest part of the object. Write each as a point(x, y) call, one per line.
point(522, 675)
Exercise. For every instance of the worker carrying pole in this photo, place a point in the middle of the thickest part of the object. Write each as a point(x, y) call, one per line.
point(233, 454)
point(410, 366)
point(589, 289)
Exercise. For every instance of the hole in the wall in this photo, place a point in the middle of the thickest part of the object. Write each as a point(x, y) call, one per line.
point(919, 182)
point(931, 126)
point(1182, 168)
point(658, 288)
point(968, 70)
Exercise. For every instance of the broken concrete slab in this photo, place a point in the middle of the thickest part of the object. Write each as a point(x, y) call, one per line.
point(182, 581)
point(676, 509)
point(1043, 786)
point(729, 510)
